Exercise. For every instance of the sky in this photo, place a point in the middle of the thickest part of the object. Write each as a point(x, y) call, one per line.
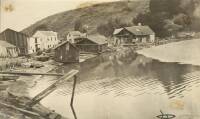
point(19, 14)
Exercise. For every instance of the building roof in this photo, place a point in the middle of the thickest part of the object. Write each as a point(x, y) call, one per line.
point(47, 33)
point(136, 30)
point(59, 45)
point(116, 31)
point(75, 33)
point(8, 29)
point(99, 39)
point(6, 44)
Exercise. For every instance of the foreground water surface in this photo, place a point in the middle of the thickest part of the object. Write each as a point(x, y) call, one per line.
point(127, 86)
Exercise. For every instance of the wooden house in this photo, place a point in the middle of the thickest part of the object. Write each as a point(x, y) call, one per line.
point(93, 44)
point(66, 52)
point(7, 49)
point(17, 39)
point(134, 34)
point(73, 36)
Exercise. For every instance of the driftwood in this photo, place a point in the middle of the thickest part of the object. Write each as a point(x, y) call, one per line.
point(51, 88)
point(29, 74)
point(19, 109)
point(8, 77)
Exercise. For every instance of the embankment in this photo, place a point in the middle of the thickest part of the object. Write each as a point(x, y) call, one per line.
point(15, 96)
point(183, 52)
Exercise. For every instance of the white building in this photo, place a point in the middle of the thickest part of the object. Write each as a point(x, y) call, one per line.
point(42, 40)
point(31, 45)
point(72, 36)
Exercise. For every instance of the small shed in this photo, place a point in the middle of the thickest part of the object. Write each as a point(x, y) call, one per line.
point(7, 49)
point(93, 44)
point(66, 52)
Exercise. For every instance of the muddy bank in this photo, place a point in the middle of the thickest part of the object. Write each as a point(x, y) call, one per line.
point(14, 96)
point(183, 52)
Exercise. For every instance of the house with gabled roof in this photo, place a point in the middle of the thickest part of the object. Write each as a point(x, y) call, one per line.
point(43, 40)
point(92, 44)
point(72, 36)
point(134, 34)
point(66, 52)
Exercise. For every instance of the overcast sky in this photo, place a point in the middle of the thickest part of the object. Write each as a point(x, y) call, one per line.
point(19, 14)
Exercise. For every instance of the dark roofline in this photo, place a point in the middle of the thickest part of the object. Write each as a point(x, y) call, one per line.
point(14, 31)
point(88, 38)
point(59, 45)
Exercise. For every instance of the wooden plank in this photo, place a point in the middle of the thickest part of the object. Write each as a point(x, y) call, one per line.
point(51, 88)
point(28, 74)
point(19, 109)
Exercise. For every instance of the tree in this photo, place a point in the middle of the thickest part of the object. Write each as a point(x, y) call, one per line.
point(42, 27)
point(108, 28)
point(178, 12)
point(78, 26)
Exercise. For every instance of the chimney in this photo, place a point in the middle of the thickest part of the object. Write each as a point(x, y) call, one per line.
point(139, 24)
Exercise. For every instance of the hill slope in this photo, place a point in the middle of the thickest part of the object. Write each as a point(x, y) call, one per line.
point(91, 16)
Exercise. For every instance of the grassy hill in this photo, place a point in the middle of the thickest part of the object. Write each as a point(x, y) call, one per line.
point(92, 16)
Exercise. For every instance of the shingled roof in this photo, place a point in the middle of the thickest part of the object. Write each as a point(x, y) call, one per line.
point(99, 39)
point(75, 33)
point(63, 44)
point(136, 30)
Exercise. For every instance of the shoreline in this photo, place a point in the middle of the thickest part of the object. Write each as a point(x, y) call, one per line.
point(183, 52)
point(17, 93)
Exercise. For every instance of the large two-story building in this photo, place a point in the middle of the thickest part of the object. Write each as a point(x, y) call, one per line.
point(43, 40)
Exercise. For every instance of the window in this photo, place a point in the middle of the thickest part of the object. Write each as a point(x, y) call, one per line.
point(35, 40)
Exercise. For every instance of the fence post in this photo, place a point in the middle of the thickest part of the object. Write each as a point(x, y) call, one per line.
point(72, 97)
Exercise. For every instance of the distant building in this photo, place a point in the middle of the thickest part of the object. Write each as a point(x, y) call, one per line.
point(66, 52)
point(185, 35)
point(93, 44)
point(43, 40)
point(73, 36)
point(17, 39)
point(7, 49)
point(134, 34)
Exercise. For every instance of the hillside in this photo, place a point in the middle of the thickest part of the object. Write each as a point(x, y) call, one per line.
point(91, 16)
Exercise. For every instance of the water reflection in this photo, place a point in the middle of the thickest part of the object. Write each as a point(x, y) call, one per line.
point(120, 73)
point(119, 80)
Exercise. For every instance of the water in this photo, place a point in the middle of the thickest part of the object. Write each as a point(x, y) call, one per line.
point(127, 86)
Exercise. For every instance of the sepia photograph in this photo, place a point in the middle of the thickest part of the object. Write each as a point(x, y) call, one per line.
point(99, 59)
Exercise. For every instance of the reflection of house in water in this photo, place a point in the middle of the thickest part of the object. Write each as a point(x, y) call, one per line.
point(7, 49)
point(170, 75)
point(66, 53)
point(92, 44)
point(133, 34)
